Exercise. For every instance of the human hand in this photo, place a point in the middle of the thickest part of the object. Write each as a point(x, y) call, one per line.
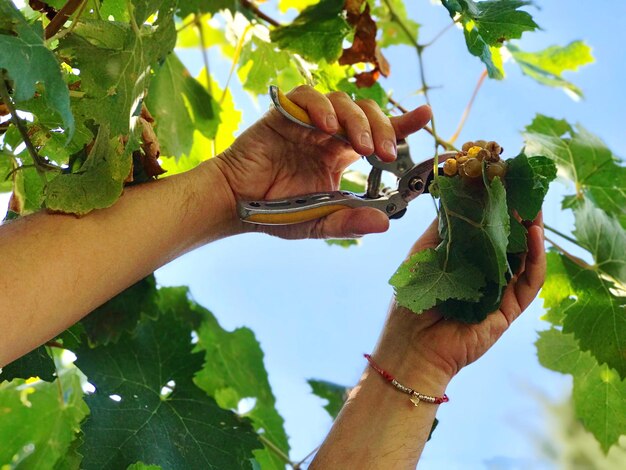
point(446, 346)
point(276, 158)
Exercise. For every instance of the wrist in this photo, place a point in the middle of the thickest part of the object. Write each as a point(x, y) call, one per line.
point(402, 349)
point(217, 202)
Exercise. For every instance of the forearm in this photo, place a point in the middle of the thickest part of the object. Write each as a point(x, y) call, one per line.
point(379, 427)
point(57, 268)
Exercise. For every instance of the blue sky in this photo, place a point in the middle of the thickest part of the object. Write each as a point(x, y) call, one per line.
point(315, 309)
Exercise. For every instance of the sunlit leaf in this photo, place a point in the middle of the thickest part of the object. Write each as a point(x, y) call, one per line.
point(548, 65)
point(599, 394)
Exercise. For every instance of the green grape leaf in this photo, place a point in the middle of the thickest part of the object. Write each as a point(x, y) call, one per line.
point(527, 181)
point(488, 24)
point(334, 394)
point(147, 408)
point(353, 181)
point(556, 290)
point(180, 105)
point(97, 184)
point(343, 242)
point(517, 237)
point(143, 466)
point(142, 9)
point(6, 166)
point(548, 65)
point(118, 9)
point(113, 88)
point(122, 313)
point(391, 31)
point(582, 158)
point(29, 62)
point(590, 308)
point(284, 5)
point(604, 237)
point(599, 394)
point(233, 370)
point(316, 33)
point(71, 459)
point(213, 36)
point(36, 363)
point(477, 221)
point(375, 92)
point(261, 65)
point(28, 186)
point(424, 280)
point(38, 423)
point(188, 7)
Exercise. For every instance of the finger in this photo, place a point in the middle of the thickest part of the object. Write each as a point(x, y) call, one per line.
point(411, 122)
point(531, 280)
point(383, 133)
point(354, 121)
point(351, 223)
point(318, 107)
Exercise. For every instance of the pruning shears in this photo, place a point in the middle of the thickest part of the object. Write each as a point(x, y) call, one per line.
point(413, 181)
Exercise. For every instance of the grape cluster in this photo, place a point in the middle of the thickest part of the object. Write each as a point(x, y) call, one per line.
point(468, 163)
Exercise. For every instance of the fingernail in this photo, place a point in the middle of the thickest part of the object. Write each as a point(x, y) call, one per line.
point(390, 147)
point(366, 140)
point(331, 121)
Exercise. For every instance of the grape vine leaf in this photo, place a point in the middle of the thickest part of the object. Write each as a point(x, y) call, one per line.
point(599, 394)
point(147, 408)
point(582, 158)
point(477, 221)
point(343, 242)
point(425, 280)
point(28, 186)
point(113, 88)
point(590, 309)
point(548, 65)
point(180, 105)
point(37, 424)
point(299, 5)
point(604, 237)
point(316, 33)
point(527, 181)
point(36, 363)
point(6, 166)
point(189, 7)
point(334, 394)
point(29, 62)
point(488, 24)
point(389, 24)
point(97, 184)
point(122, 313)
point(71, 459)
point(262, 64)
point(143, 466)
point(233, 370)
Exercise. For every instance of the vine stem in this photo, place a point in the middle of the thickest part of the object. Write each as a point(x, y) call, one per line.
point(562, 235)
point(575, 259)
point(40, 163)
point(61, 17)
point(468, 108)
point(298, 465)
point(248, 5)
point(274, 448)
point(445, 144)
point(440, 34)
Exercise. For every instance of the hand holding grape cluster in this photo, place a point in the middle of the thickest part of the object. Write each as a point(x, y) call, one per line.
point(483, 204)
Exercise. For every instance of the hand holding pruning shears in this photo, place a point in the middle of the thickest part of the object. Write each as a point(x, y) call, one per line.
point(277, 160)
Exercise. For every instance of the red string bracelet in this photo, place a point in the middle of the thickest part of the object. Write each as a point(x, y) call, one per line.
point(415, 397)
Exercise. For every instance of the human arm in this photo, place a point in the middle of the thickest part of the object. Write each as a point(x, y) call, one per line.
point(57, 268)
point(378, 427)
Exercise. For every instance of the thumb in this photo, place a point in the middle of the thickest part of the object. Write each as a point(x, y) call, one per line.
point(350, 223)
